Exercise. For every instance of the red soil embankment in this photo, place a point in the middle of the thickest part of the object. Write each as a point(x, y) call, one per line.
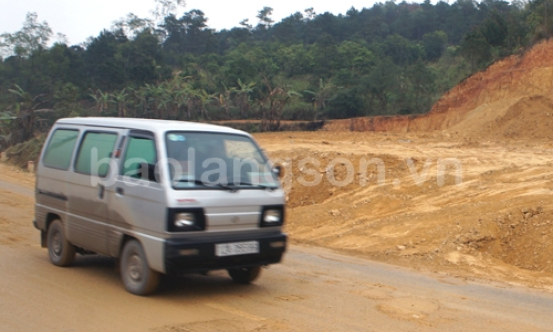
point(508, 99)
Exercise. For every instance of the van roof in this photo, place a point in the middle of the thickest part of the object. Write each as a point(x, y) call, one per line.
point(154, 125)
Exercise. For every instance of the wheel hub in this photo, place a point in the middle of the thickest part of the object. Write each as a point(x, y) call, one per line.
point(56, 244)
point(135, 268)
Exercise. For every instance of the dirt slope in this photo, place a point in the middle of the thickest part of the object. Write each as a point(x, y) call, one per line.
point(515, 90)
point(494, 222)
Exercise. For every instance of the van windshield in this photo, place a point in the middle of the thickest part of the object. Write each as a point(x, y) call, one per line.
point(212, 160)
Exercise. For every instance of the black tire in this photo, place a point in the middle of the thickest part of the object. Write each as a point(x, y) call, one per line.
point(245, 275)
point(137, 276)
point(61, 252)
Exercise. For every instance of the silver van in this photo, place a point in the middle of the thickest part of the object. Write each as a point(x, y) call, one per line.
point(161, 196)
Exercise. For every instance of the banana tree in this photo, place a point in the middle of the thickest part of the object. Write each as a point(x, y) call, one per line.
point(26, 108)
point(101, 100)
point(120, 101)
point(225, 99)
point(202, 97)
point(179, 93)
point(320, 97)
point(6, 119)
point(155, 95)
point(139, 101)
point(275, 101)
point(243, 97)
point(182, 96)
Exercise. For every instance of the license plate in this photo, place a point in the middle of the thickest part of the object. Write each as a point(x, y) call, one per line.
point(237, 248)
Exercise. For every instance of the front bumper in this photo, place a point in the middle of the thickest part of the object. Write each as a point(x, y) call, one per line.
point(205, 259)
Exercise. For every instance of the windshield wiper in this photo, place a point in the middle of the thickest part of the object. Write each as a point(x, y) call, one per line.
point(209, 184)
point(258, 185)
point(194, 181)
point(223, 186)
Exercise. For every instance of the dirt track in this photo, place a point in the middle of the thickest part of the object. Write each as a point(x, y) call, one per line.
point(445, 236)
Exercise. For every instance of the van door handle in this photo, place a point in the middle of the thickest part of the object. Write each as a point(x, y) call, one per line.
point(101, 191)
point(120, 191)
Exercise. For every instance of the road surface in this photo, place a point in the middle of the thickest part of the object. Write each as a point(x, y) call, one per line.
point(313, 289)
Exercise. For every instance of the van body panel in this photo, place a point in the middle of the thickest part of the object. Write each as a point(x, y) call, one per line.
point(137, 206)
point(154, 249)
point(51, 184)
point(51, 196)
point(87, 212)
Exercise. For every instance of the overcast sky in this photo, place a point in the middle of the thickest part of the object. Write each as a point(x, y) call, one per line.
point(79, 19)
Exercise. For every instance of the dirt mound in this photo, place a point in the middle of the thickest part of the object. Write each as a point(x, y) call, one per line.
point(530, 117)
point(526, 118)
point(509, 99)
point(524, 239)
point(461, 207)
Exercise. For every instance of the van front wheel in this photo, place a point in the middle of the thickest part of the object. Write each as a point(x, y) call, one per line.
point(61, 252)
point(244, 275)
point(137, 276)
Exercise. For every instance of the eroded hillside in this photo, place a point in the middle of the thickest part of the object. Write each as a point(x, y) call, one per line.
point(511, 99)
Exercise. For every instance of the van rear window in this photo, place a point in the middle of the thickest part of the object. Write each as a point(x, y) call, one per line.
point(60, 149)
point(95, 149)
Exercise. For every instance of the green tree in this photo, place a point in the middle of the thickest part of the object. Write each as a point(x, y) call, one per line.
point(434, 44)
point(67, 101)
point(104, 64)
point(354, 56)
point(34, 36)
point(476, 49)
point(422, 88)
point(264, 16)
point(380, 83)
point(495, 29)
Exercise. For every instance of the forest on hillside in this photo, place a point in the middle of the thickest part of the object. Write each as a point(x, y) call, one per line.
point(392, 58)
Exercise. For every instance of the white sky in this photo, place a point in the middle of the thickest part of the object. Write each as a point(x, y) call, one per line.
point(80, 19)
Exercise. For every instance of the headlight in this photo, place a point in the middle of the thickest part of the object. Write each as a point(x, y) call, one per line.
point(184, 219)
point(272, 216)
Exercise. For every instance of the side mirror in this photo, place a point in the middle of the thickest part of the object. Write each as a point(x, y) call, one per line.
point(148, 172)
point(277, 170)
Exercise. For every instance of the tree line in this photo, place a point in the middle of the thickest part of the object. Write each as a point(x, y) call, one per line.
point(392, 58)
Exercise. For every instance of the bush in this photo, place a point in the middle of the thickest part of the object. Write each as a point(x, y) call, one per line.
point(20, 154)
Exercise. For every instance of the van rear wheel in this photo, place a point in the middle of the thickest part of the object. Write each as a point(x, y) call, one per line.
point(244, 275)
point(61, 252)
point(137, 276)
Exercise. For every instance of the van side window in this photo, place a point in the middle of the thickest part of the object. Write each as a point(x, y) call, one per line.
point(60, 149)
point(95, 152)
point(139, 150)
